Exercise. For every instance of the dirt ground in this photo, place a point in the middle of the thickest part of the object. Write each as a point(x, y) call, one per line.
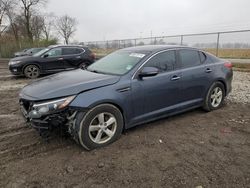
point(194, 149)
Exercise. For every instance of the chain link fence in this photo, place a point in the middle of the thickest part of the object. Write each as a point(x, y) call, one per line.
point(229, 44)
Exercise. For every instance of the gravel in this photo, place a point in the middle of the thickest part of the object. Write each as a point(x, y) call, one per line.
point(241, 88)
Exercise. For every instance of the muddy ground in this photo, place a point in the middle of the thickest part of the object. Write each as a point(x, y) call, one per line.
point(194, 149)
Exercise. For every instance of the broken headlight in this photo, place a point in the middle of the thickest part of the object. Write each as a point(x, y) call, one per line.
point(40, 109)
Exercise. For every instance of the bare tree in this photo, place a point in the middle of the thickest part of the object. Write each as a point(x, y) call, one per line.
point(37, 24)
point(3, 7)
point(66, 27)
point(11, 14)
point(48, 25)
point(28, 6)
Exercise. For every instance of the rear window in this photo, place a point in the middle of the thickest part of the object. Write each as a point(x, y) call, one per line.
point(79, 50)
point(189, 58)
point(72, 51)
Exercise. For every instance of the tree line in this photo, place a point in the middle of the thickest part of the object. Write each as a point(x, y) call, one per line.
point(23, 25)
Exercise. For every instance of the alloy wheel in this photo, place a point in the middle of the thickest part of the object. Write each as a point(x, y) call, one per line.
point(32, 71)
point(216, 97)
point(102, 128)
point(82, 66)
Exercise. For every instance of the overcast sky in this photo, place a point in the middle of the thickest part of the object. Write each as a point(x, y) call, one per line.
point(119, 19)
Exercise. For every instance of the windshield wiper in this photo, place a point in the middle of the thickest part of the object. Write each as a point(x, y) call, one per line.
point(99, 72)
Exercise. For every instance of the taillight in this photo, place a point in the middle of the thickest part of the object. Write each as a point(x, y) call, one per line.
point(228, 65)
point(92, 55)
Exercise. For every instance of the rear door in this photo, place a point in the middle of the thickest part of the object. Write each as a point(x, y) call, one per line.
point(152, 96)
point(196, 75)
point(72, 57)
point(52, 60)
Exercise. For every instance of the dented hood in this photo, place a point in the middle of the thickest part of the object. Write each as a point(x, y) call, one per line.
point(66, 84)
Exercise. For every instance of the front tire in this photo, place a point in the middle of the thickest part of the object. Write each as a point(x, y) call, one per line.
point(32, 71)
point(215, 97)
point(99, 127)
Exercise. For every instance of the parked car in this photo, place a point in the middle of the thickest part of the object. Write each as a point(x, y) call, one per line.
point(18, 54)
point(28, 52)
point(52, 59)
point(128, 87)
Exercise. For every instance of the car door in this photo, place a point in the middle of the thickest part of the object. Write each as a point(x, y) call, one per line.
point(155, 95)
point(196, 76)
point(72, 57)
point(53, 60)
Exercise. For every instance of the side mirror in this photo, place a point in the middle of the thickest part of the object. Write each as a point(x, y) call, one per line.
point(148, 72)
point(46, 55)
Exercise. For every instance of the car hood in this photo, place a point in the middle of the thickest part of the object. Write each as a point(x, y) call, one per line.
point(19, 53)
point(23, 58)
point(66, 84)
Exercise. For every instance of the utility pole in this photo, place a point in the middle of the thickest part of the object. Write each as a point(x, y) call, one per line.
point(218, 44)
point(151, 36)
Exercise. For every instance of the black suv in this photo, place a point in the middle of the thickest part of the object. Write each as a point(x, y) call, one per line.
point(52, 59)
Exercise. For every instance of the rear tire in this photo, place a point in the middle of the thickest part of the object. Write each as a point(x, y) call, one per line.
point(215, 97)
point(83, 65)
point(99, 127)
point(31, 71)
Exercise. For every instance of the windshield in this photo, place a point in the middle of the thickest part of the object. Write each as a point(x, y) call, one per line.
point(117, 63)
point(30, 50)
point(41, 52)
point(35, 50)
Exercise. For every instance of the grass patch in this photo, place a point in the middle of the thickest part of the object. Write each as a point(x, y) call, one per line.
point(241, 65)
point(223, 53)
point(231, 53)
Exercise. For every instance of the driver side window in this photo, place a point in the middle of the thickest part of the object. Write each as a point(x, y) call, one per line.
point(164, 61)
point(54, 52)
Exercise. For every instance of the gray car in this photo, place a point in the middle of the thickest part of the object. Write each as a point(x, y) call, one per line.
point(126, 88)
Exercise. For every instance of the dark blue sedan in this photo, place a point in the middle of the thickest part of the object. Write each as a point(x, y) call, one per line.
point(126, 88)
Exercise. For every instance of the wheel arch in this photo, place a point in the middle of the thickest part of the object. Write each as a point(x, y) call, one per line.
point(224, 84)
point(118, 106)
point(84, 61)
point(77, 133)
point(214, 81)
point(36, 64)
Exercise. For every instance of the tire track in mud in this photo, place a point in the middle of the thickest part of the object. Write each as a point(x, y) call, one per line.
point(18, 141)
point(14, 132)
point(6, 124)
point(26, 143)
point(11, 87)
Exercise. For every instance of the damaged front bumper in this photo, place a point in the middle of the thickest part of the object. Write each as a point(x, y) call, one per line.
point(63, 119)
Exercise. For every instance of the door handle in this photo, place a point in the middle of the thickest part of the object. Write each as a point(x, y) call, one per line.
point(78, 57)
point(174, 78)
point(60, 59)
point(208, 70)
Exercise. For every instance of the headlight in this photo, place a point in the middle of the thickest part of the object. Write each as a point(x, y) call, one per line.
point(14, 62)
point(40, 109)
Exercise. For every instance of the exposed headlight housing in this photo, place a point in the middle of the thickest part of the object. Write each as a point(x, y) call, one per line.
point(40, 109)
point(14, 62)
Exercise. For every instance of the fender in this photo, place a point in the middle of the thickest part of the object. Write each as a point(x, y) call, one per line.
point(108, 94)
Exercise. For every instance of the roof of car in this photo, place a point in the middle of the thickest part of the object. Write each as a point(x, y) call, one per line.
point(153, 48)
point(79, 46)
